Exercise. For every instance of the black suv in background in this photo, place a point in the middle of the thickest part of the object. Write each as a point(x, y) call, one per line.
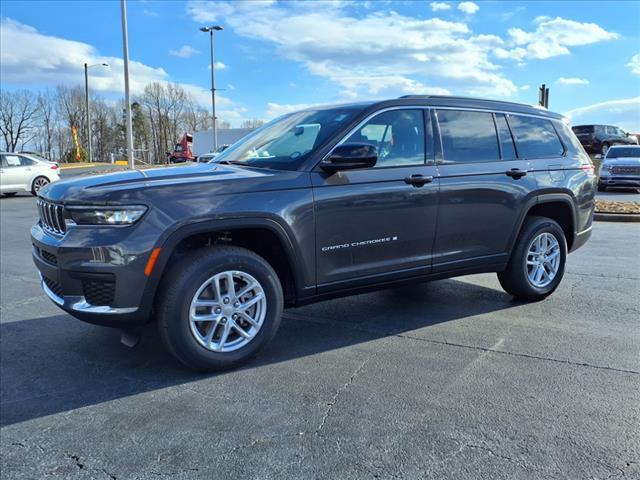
point(325, 202)
point(598, 138)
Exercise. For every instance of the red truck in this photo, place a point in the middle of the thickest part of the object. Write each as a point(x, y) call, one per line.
point(182, 150)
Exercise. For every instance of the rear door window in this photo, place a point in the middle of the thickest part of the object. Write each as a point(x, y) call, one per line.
point(12, 161)
point(535, 137)
point(468, 136)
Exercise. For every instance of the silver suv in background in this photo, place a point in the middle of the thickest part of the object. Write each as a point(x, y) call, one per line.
point(620, 167)
point(22, 172)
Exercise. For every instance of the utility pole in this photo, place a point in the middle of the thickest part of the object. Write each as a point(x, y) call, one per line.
point(127, 97)
point(212, 29)
point(86, 102)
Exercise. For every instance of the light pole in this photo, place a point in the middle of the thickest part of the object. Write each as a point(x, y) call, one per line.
point(127, 96)
point(86, 102)
point(213, 84)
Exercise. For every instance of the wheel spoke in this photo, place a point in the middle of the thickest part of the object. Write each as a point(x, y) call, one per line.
point(250, 286)
point(249, 319)
point(231, 288)
point(251, 302)
point(223, 338)
point(210, 317)
point(209, 337)
point(240, 331)
point(206, 303)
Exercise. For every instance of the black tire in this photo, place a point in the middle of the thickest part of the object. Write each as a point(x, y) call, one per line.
point(180, 284)
point(605, 148)
point(10, 194)
point(35, 186)
point(514, 279)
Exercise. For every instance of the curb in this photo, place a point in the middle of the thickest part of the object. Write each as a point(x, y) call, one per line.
point(67, 166)
point(617, 217)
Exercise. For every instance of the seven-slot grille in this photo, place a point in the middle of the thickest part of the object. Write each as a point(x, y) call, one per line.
point(52, 216)
point(626, 170)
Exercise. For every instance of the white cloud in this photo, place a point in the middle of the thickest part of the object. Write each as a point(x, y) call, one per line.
point(525, 87)
point(468, 7)
point(439, 6)
point(43, 60)
point(572, 81)
point(150, 13)
point(553, 37)
point(624, 113)
point(185, 51)
point(381, 53)
point(274, 110)
point(221, 66)
point(634, 64)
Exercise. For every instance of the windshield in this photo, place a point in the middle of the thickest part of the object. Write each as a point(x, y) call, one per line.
point(585, 129)
point(287, 141)
point(623, 152)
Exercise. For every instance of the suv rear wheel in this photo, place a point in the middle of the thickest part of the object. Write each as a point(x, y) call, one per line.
point(218, 306)
point(536, 266)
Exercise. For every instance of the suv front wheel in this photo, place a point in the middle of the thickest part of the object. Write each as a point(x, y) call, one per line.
point(218, 306)
point(537, 261)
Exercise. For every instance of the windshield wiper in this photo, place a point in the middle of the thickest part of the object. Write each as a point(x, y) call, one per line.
point(232, 162)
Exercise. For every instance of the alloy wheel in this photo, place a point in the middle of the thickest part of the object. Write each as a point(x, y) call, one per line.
point(543, 260)
point(39, 183)
point(227, 311)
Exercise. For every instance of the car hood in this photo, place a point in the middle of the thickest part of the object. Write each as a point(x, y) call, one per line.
point(135, 185)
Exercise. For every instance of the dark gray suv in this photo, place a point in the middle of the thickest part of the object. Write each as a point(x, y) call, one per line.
point(320, 203)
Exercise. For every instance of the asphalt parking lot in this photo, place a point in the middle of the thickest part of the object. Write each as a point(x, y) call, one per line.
point(451, 379)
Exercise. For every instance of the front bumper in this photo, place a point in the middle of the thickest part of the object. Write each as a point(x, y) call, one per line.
point(619, 181)
point(96, 284)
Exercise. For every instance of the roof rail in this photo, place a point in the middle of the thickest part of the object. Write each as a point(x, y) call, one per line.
point(454, 97)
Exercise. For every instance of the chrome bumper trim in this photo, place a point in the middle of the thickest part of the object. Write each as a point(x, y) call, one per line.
point(79, 303)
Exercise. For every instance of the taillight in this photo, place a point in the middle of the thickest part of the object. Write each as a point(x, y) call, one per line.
point(588, 168)
point(54, 167)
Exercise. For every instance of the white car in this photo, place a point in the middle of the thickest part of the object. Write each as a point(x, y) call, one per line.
point(620, 167)
point(22, 172)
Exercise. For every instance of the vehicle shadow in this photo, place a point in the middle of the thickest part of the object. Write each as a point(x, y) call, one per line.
point(56, 364)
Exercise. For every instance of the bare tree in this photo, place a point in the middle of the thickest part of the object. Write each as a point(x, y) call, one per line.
point(47, 120)
point(164, 106)
point(253, 123)
point(18, 111)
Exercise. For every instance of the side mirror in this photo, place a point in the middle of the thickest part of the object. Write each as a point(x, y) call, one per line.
point(351, 156)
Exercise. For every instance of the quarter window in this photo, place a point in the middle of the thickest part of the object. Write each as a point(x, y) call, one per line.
point(397, 134)
point(468, 136)
point(506, 140)
point(27, 162)
point(535, 137)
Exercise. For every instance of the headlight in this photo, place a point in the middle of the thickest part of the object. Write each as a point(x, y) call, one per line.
point(606, 167)
point(106, 215)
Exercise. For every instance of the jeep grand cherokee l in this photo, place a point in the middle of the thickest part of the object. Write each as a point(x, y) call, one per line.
point(598, 138)
point(319, 203)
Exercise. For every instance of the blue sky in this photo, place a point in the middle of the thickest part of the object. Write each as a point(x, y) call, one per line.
point(277, 56)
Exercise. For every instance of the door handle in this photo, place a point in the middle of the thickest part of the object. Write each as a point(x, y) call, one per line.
point(418, 180)
point(516, 173)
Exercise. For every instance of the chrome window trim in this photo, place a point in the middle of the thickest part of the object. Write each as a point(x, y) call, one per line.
point(435, 108)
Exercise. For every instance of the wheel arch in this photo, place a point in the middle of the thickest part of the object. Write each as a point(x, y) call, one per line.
point(264, 236)
point(560, 207)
